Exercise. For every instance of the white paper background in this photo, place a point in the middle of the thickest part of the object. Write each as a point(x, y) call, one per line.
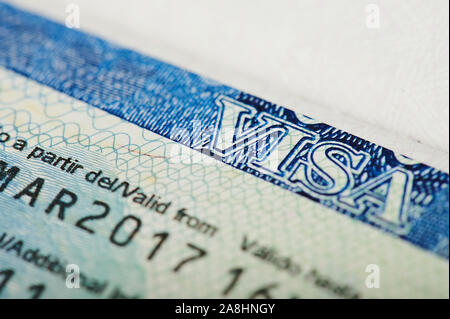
point(318, 57)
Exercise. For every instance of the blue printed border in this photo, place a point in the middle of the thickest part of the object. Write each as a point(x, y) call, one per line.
point(159, 97)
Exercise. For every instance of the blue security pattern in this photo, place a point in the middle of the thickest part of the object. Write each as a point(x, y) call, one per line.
point(158, 96)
